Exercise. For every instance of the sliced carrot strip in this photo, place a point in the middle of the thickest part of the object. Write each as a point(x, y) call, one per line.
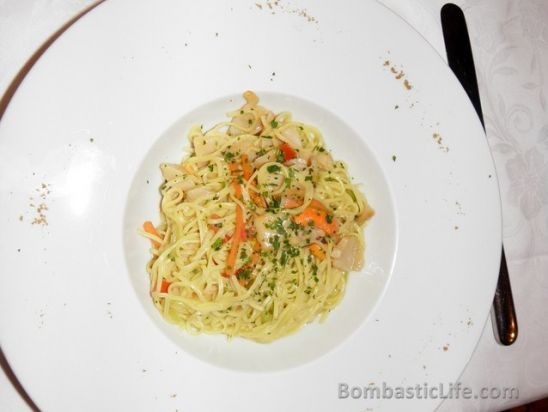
point(149, 228)
point(237, 189)
point(257, 199)
point(288, 152)
point(256, 250)
point(234, 167)
point(246, 166)
point(233, 254)
point(317, 251)
point(165, 286)
point(316, 204)
point(318, 217)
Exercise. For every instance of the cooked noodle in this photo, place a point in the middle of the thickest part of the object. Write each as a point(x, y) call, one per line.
point(259, 228)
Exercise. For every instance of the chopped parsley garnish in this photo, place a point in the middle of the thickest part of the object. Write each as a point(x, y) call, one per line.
point(330, 179)
point(308, 178)
point(292, 251)
point(273, 168)
point(276, 242)
point(287, 182)
point(315, 273)
point(274, 124)
point(244, 274)
point(217, 244)
point(261, 152)
point(279, 156)
point(228, 156)
point(283, 258)
point(295, 226)
point(278, 226)
point(328, 218)
point(274, 205)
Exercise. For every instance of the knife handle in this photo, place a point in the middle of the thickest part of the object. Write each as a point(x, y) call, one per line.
point(504, 313)
point(461, 61)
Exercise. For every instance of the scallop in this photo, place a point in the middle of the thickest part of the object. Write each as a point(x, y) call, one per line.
point(171, 170)
point(348, 254)
point(291, 136)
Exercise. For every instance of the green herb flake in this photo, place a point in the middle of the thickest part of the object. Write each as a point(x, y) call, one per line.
point(283, 258)
point(278, 226)
point(276, 242)
point(217, 244)
point(273, 168)
point(291, 173)
point(274, 205)
point(294, 226)
point(244, 274)
point(228, 156)
point(292, 251)
point(274, 124)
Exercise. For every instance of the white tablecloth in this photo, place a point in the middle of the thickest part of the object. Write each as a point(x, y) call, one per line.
point(510, 44)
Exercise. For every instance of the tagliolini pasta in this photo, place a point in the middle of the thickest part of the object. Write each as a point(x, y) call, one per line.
point(259, 228)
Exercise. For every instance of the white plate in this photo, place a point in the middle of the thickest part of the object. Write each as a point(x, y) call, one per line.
point(115, 94)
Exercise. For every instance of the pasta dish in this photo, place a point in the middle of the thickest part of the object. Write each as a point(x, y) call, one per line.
point(259, 228)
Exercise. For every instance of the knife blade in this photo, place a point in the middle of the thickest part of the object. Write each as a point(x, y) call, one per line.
point(461, 62)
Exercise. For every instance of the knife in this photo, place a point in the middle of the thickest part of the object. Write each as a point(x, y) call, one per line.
point(459, 56)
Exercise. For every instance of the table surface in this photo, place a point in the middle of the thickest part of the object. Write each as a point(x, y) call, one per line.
point(510, 44)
